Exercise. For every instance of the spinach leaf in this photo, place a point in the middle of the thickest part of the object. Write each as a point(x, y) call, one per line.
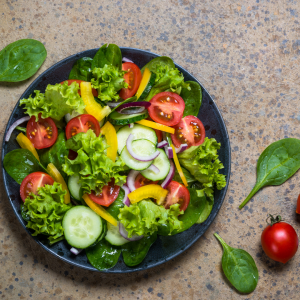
point(278, 162)
point(135, 252)
point(208, 206)
point(190, 216)
point(114, 208)
point(56, 154)
point(108, 55)
point(21, 162)
point(82, 69)
point(21, 59)
point(162, 60)
point(103, 256)
point(192, 98)
point(239, 268)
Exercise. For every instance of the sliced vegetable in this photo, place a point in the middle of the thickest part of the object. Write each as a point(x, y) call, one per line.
point(140, 180)
point(170, 175)
point(169, 152)
point(114, 237)
point(162, 144)
point(25, 143)
point(178, 193)
point(156, 126)
point(181, 148)
point(126, 190)
point(146, 84)
point(124, 234)
point(74, 187)
point(133, 107)
point(178, 167)
point(14, 125)
point(110, 134)
point(122, 119)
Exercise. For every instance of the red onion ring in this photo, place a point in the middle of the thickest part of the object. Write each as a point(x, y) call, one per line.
point(131, 125)
point(125, 59)
point(162, 144)
point(169, 152)
point(126, 200)
point(131, 179)
point(124, 234)
point(137, 156)
point(154, 169)
point(113, 104)
point(14, 125)
point(137, 107)
point(181, 148)
point(75, 250)
point(170, 176)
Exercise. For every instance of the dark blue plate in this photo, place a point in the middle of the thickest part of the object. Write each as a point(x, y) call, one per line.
point(165, 248)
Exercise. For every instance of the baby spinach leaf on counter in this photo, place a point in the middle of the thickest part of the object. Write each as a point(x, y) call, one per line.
point(162, 60)
point(114, 208)
point(190, 216)
point(21, 60)
point(239, 268)
point(21, 162)
point(82, 69)
point(103, 256)
point(278, 162)
point(108, 55)
point(192, 98)
point(135, 252)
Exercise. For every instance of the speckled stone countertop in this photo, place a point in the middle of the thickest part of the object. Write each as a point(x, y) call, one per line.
point(247, 55)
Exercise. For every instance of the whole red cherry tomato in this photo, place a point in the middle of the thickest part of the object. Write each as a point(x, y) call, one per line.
point(279, 240)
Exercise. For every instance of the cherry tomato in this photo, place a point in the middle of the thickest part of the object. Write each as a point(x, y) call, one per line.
point(190, 130)
point(159, 135)
point(32, 182)
point(178, 193)
point(166, 108)
point(298, 205)
point(133, 77)
point(108, 195)
point(280, 240)
point(140, 180)
point(95, 93)
point(82, 123)
point(42, 133)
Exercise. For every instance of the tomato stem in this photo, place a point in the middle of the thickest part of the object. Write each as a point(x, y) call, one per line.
point(273, 220)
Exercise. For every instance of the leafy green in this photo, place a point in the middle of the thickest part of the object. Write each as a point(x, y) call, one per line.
point(82, 69)
point(239, 268)
point(58, 100)
point(92, 165)
point(189, 178)
point(108, 55)
point(103, 255)
point(21, 60)
point(56, 154)
point(278, 162)
point(162, 60)
point(115, 207)
point(135, 252)
point(192, 98)
point(145, 217)
point(46, 211)
point(21, 162)
point(108, 80)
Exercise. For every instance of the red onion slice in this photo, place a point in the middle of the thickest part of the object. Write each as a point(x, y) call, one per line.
point(124, 234)
point(125, 59)
point(162, 144)
point(137, 156)
point(154, 169)
point(169, 152)
point(126, 200)
point(131, 179)
point(113, 104)
point(131, 111)
point(170, 176)
point(133, 107)
point(131, 125)
point(75, 250)
point(14, 125)
point(181, 148)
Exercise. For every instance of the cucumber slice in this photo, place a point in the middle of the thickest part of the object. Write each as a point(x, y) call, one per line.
point(162, 163)
point(122, 119)
point(74, 187)
point(82, 226)
point(146, 85)
point(142, 147)
point(113, 235)
point(139, 132)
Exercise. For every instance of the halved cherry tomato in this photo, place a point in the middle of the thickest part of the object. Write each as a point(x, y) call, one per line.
point(82, 123)
point(140, 180)
point(108, 195)
point(42, 133)
point(298, 205)
point(133, 77)
point(178, 193)
point(189, 130)
point(166, 108)
point(95, 93)
point(32, 182)
point(157, 132)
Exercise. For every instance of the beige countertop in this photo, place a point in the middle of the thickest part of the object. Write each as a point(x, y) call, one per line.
point(247, 55)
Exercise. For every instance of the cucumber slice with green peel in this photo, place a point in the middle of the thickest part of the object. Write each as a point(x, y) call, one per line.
point(147, 82)
point(122, 119)
point(142, 147)
point(82, 226)
point(162, 162)
point(74, 187)
point(113, 235)
point(139, 132)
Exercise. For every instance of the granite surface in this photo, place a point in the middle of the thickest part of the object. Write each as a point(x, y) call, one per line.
point(247, 54)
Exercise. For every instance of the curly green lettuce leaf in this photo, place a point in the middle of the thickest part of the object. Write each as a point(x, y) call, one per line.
point(58, 100)
point(204, 165)
point(94, 168)
point(45, 211)
point(145, 218)
point(108, 81)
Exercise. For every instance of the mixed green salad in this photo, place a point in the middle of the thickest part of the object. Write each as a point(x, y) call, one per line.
point(113, 157)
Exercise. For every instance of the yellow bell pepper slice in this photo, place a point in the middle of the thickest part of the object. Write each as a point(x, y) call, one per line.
point(148, 191)
point(91, 106)
point(25, 143)
point(54, 173)
point(98, 209)
point(111, 138)
point(157, 126)
point(145, 79)
point(178, 167)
